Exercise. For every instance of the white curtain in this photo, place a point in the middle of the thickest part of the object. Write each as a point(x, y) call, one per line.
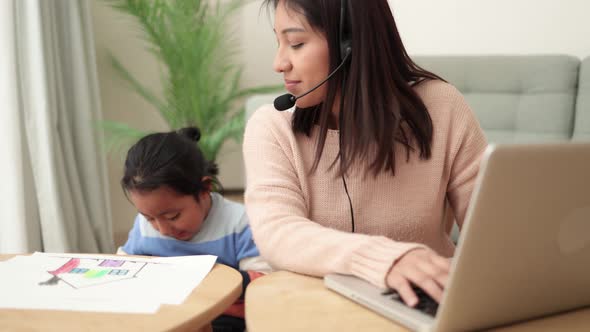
point(54, 197)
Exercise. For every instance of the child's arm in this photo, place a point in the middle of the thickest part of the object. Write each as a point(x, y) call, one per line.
point(132, 246)
point(250, 265)
point(256, 263)
point(247, 253)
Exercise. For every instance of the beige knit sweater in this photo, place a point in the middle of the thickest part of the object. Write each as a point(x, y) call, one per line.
point(301, 222)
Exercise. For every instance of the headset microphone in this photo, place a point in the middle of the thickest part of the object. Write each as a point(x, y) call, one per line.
point(286, 101)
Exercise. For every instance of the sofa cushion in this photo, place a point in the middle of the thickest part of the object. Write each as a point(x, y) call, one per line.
point(582, 119)
point(517, 99)
point(255, 101)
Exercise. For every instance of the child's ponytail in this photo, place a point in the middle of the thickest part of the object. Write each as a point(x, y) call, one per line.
point(192, 133)
point(171, 159)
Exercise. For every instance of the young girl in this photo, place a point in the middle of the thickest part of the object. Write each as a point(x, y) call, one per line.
point(356, 179)
point(170, 183)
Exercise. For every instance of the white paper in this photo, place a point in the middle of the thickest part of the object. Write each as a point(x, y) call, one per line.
point(99, 282)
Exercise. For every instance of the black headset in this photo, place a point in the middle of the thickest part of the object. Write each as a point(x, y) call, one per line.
point(345, 31)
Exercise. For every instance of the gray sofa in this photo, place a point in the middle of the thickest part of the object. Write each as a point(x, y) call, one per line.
point(522, 99)
point(517, 99)
point(582, 111)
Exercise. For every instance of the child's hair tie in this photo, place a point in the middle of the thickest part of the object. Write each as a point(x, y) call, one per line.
point(193, 133)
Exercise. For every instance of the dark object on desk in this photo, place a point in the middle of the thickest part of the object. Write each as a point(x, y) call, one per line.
point(225, 323)
point(426, 304)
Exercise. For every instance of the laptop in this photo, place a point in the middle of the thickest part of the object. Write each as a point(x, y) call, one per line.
point(524, 250)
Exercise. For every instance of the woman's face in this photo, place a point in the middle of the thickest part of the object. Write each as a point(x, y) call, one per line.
point(170, 213)
point(302, 56)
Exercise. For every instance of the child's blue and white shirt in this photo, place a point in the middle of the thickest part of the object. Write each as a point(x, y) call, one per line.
point(225, 233)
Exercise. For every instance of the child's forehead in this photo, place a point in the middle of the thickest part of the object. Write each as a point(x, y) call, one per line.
point(161, 191)
point(159, 200)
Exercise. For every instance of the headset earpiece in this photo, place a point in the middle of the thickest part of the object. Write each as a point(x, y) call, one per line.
point(345, 49)
point(345, 31)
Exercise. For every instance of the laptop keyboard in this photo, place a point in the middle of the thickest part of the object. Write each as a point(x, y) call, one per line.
point(425, 303)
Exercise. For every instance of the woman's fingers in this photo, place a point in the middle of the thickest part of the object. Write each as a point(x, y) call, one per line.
point(442, 279)
point(438, 267)
point(429, 286)
point(404, 289)
point(431, 270)
point(442, 262)
point(422, 268)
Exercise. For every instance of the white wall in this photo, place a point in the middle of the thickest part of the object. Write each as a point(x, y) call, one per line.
point(494, 27)
point(451, 27)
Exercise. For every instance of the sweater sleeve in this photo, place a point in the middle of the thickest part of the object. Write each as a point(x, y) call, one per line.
point(286, 238)
point(467, 145)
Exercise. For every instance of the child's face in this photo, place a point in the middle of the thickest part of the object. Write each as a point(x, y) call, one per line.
point(170, 213)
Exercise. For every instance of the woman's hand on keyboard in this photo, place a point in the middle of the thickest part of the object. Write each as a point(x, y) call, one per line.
point(423, 268)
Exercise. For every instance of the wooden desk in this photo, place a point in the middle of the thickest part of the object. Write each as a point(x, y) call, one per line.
point(285, 301)
point(221, 288)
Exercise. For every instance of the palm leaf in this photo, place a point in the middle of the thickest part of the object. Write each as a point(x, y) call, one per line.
point(200, 77)
point(120, 136)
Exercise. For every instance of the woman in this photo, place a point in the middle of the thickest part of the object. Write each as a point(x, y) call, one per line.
point(356, 179)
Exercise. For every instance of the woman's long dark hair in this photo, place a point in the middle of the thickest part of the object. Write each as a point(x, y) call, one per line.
point(380, 106)
point(170, 159)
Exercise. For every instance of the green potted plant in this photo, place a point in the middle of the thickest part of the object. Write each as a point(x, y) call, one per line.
point(201, 81)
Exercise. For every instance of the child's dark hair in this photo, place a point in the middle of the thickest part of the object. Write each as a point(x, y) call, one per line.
point(170, 159)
